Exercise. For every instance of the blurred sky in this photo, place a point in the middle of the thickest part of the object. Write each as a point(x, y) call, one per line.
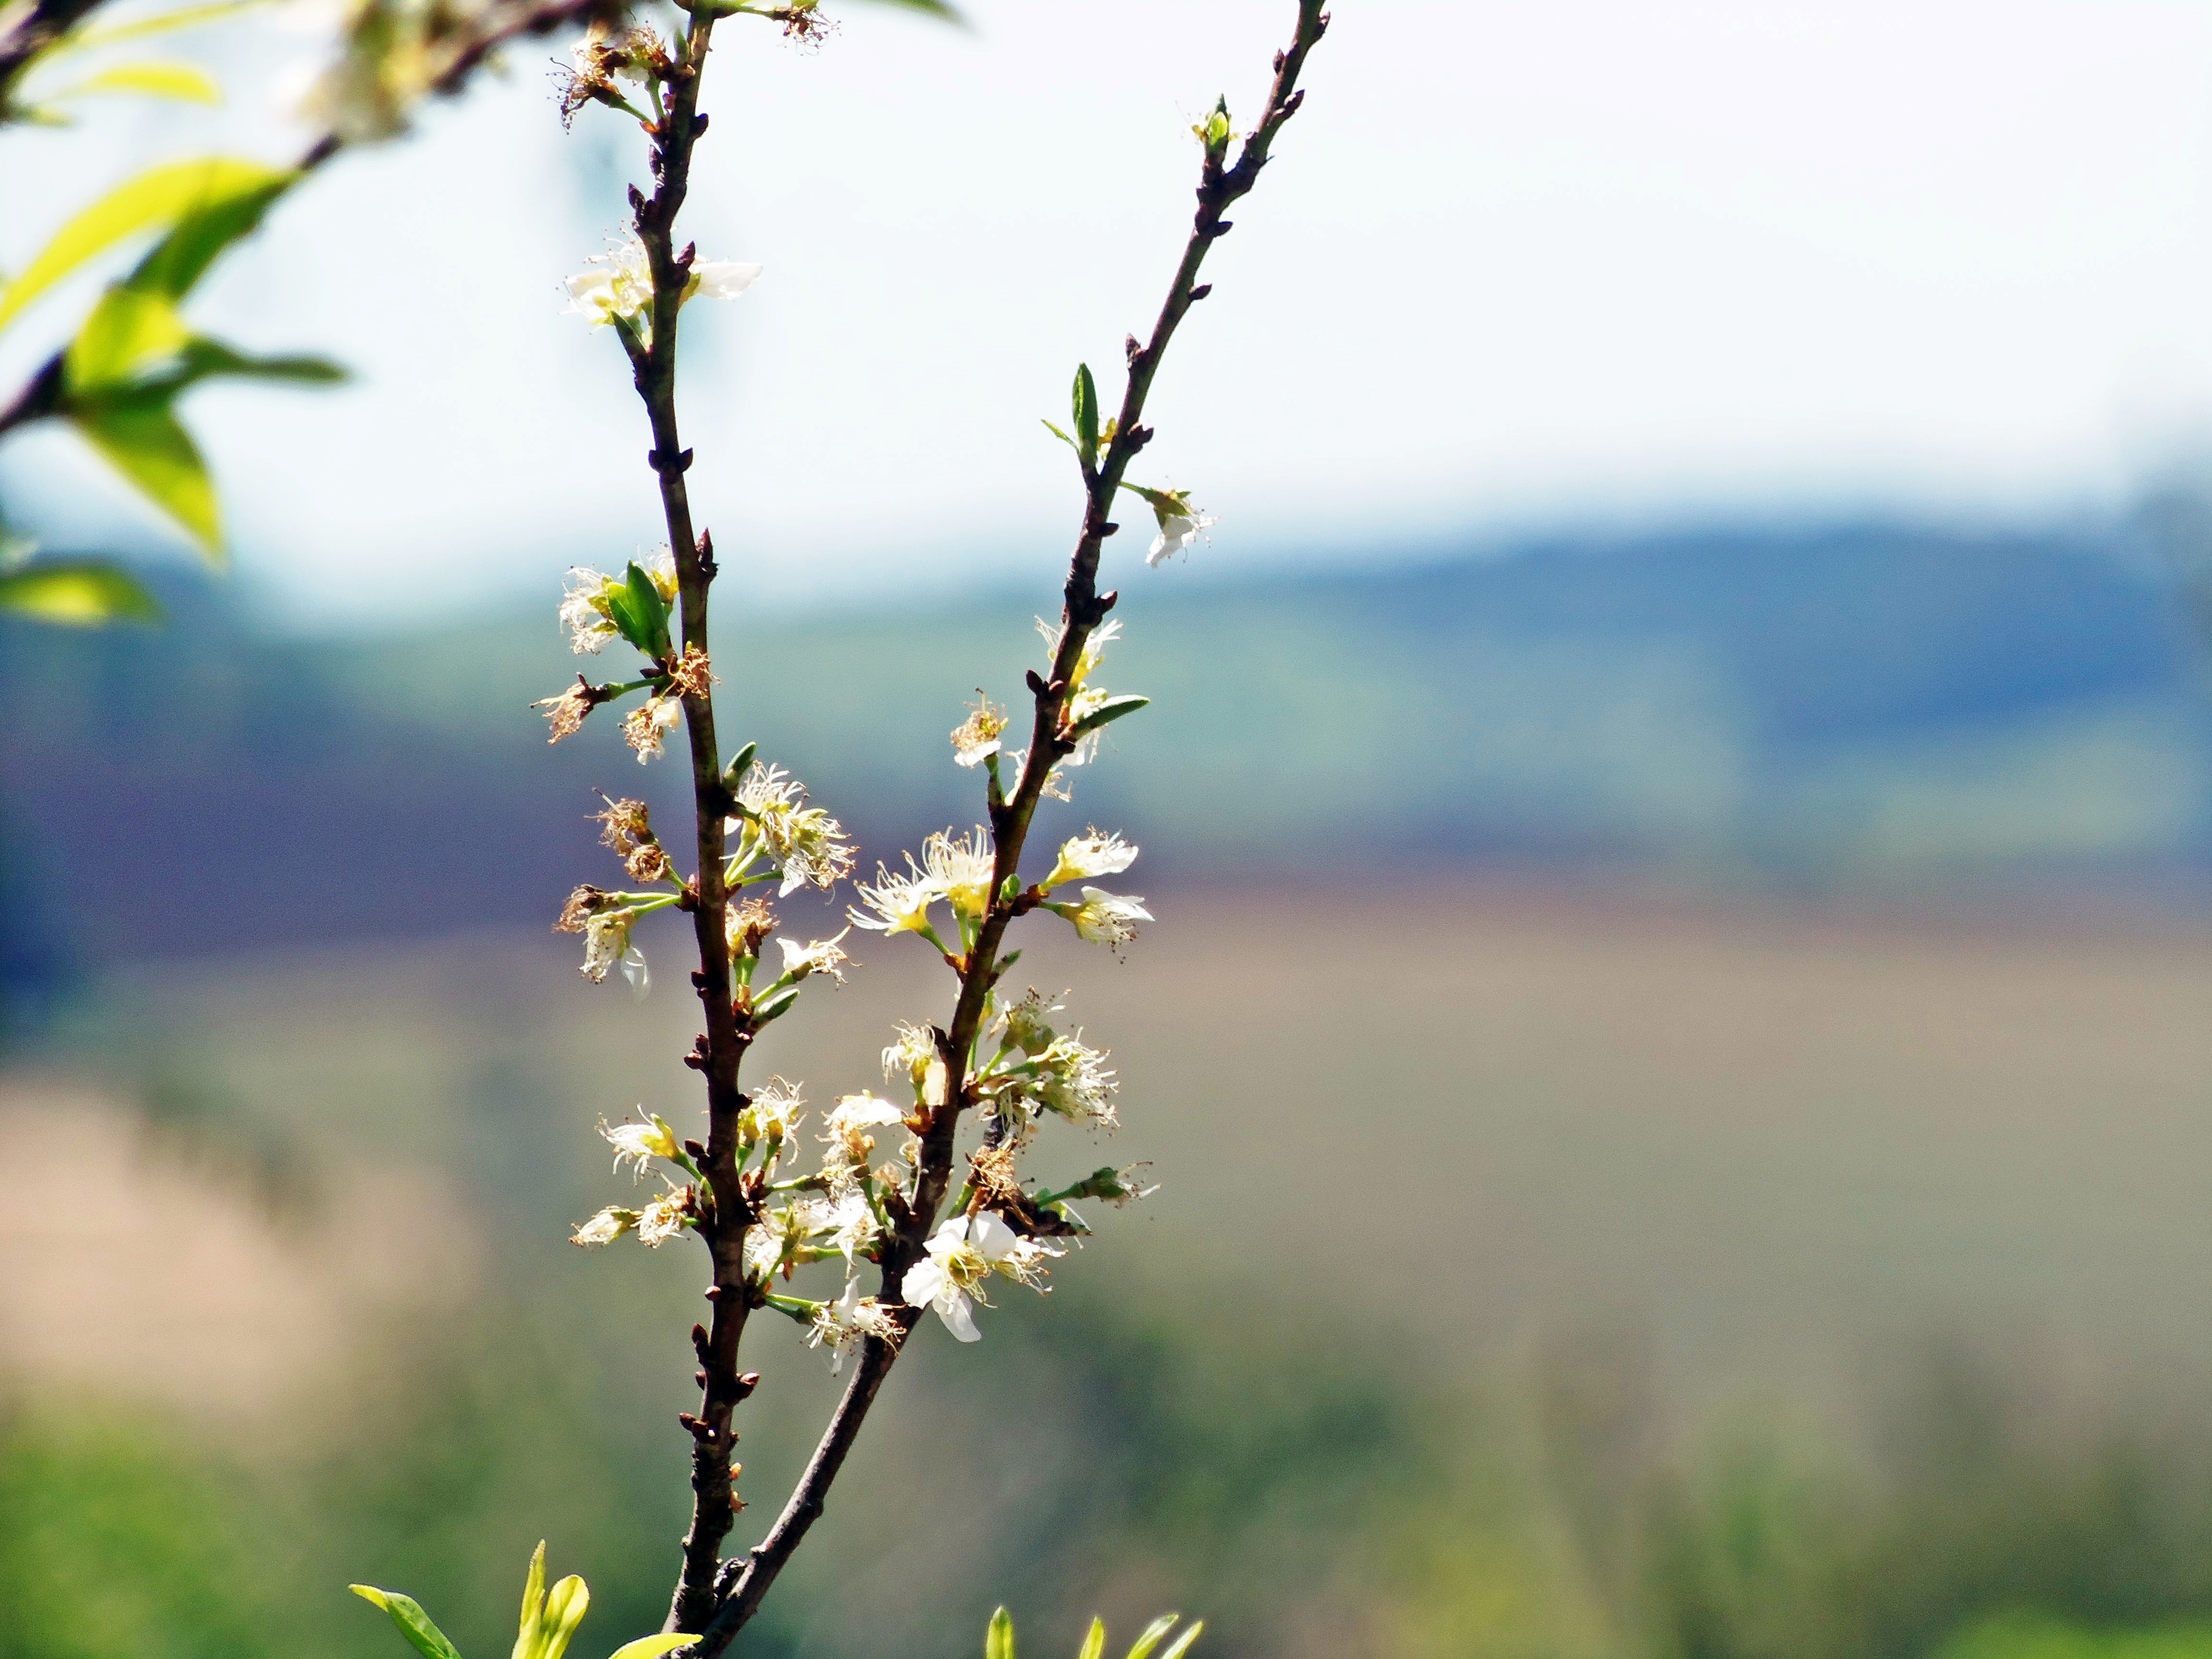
point(1517, 264)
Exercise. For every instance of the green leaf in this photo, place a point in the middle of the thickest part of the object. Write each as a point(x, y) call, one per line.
point(639, 613)
point(1181, 1645)
point(1107, 713)
point(1151, 1639)
point(1094, 1642)
point(162, 196)
point(187, 82)
point(184, 17)
point(533, 1603)
point(143, 440)
point(127, 330)
point(81, 593)
point(774, 1007)
point(203, 230)
point(1086, 414)
point(999, 1640)
point(414, 1624)
point(203, 359)
point(651, 1647)
point(1062, 436)
point(566, 1603)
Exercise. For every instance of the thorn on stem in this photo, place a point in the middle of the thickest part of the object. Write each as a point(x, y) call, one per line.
point(1108, 600)
point(698, 124)
point(1037, 682)
point(636, 199)
point(1201, 292)
point(1131, 348)
point(698, 1152)
point(1106, 530)
point(683, 259)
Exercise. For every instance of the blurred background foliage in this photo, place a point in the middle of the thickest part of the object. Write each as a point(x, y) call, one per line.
point(1757, 976)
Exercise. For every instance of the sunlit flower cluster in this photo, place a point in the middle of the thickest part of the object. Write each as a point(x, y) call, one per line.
point(774, 822)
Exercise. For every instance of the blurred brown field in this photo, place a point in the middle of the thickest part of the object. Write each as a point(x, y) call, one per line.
point(1773, 1133)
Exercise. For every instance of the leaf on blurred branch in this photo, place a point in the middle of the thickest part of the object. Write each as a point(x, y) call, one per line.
point(143, 440)
point(207, 203)
point(187, 82)
point(79, 594)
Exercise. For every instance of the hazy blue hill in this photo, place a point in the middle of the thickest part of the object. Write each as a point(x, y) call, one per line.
point(1826, 705)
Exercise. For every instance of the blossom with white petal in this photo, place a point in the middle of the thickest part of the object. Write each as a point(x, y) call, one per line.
point(845, 1133)
point(1104, 918)
point(843, 1325)
point(962, 1256)
point(809, 845)
point(901, 903)
point(606, 941)
point(770, 1112)
point(975, 739)
point(1090, 855)
point(634, 1143)
point(608, 1225)
point(1177, 531)
point(721, 279)
point(636, 970)
point(665, 1217)
point(960, 870)
point(820, 957)
point(617, 286)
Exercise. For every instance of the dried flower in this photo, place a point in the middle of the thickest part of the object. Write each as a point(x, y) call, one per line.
point(665, 1217)
point(645, 729)
point(976, 738)
point(843, 1325)
point(565, 714)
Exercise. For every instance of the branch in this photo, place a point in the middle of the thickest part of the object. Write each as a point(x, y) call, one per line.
point(25, 34)
point(741, 1591)
point(733, 1199)
point(453, 59)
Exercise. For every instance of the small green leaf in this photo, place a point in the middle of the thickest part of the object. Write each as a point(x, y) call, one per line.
point(1062, 436)
point(999, 1640)
point(1151, 1639)
point(774, 1007)
point(1086, 414)
point(203, 359)
point(127, 330)
point(414, 1624)
point(1107, 713)
point(80, 594)
point(638, 613)
point(533, 1603)
point(1094, 1642)
point(734, 774)
point(566, 1603)
point(651, 1647)
point(143, 440)
point(161, 196)
point(1181, 1643)
point(187, 82)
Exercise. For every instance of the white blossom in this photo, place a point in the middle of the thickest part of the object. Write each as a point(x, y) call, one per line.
point(1177, 531)
point(843, 1325)
point(820, 957)
point(962, 1257)
point(608, 1225)
point(1089, 855)
point(901, 903)
point(960, 870)
point(618, 285)
point(809, 845)
point(635, 1143)
point(606, 942)
point(1105, 918)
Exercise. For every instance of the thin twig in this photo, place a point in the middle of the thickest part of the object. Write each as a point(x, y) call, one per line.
point(1084, 608)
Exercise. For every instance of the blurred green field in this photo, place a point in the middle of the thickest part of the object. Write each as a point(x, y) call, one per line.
point(1534, 1272)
